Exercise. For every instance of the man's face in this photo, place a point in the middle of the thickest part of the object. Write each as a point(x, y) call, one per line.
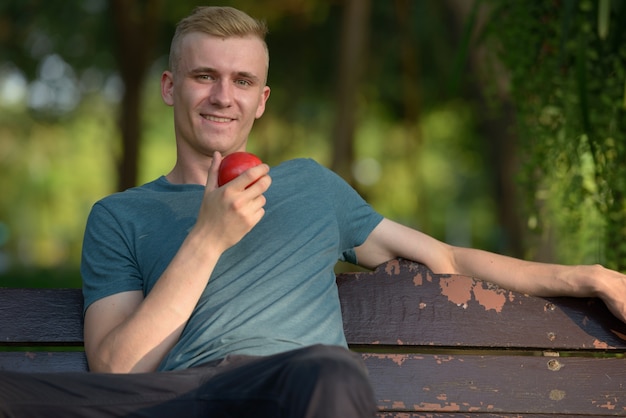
point(217, 90)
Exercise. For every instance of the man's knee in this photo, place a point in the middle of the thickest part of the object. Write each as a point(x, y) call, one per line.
point(335, 364)
point(338, 382)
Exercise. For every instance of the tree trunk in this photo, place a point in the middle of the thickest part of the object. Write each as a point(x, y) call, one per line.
point(136, 24)
point(354, 34)
point(412, 106)
point(500, 140)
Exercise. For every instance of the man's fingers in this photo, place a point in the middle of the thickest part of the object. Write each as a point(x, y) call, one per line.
point(211, 181)
point(251, 177)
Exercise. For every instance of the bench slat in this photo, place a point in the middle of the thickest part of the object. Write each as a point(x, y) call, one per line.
point(41, 316)
point(469, 415)
point(523, 385)
point(410, 294)
point(498, 384)
point(43, 361)
point(403, 303)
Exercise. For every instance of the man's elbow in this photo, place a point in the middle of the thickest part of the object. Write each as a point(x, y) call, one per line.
point(99, 363)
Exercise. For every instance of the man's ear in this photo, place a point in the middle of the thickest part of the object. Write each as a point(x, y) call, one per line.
point(265, 94)
point(167, 88)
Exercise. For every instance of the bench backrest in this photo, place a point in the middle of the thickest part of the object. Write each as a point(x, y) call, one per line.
point(443, 344)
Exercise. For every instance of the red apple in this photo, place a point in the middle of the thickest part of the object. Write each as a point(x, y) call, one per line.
point(234, 164)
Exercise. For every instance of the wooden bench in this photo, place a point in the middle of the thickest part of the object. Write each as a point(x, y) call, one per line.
point(435, 345)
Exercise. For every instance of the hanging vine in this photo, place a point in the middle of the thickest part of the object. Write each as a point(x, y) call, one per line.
point(567, 65)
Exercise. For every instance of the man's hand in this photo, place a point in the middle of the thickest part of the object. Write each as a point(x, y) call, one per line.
point(613, 291)
point(229, 212)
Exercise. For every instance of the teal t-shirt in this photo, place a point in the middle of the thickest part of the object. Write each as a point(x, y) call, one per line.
point(273, 291)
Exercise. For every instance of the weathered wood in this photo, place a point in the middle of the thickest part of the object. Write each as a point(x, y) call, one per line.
point(498, 384)
point(435, 345)
point(472, 415)
point(41, 316)
point(404, 303)
point(43, 361)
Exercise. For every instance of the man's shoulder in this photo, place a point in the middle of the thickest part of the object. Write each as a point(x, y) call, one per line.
point(151, 194)
point(298, 162)
point(159, 186)
point(299, 166)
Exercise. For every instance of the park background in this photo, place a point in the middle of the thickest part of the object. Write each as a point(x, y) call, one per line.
point(486, 123)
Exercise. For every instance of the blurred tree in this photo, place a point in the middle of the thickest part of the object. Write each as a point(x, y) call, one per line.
point(567, 63)
point(480, 83)
point(350, 65)
point(136, 34)
point(77, 35)
point(73, 29)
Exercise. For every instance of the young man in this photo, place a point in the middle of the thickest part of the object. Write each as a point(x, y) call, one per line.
point(220, 301)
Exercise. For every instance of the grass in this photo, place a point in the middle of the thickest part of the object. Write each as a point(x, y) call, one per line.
point(41, 278)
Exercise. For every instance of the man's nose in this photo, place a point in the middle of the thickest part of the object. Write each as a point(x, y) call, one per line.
point(222, 93)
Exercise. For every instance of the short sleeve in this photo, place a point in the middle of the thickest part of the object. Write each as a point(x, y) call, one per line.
point(356, 218)
point(107, 265)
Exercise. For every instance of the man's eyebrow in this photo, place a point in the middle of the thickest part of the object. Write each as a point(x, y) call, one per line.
point(248, 75)
point(211, 70)
point(202, 70)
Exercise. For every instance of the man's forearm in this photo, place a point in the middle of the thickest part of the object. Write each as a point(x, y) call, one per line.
point(539, 279)
point(145, 336)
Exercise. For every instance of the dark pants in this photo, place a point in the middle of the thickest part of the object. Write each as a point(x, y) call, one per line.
point(318, 381)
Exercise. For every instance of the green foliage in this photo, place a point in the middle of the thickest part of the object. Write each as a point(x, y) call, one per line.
point(567, 65)
point(50, 175)
point(75, 29)
point(43, 278)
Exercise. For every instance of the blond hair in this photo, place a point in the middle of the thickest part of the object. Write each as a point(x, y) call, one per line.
point(223, 22)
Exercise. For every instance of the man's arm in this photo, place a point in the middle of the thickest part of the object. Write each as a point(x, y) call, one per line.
point(390, 240)
point(126, 332)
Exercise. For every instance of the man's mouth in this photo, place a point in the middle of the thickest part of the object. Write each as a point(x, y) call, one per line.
point(217, 119)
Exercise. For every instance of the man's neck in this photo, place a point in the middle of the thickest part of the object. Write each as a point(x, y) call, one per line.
point(181, 174)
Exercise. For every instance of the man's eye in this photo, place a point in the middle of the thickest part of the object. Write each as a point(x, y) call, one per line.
point(204, 77)
point(243, 83)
